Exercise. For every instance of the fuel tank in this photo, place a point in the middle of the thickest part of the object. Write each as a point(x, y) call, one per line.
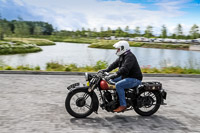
point(106, 86)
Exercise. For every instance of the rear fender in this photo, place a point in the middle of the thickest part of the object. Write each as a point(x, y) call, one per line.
point(92, 94)
point(163, 94)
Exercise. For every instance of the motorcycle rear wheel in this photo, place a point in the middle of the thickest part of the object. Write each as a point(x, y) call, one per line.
point(79, 103)
point(150, 100)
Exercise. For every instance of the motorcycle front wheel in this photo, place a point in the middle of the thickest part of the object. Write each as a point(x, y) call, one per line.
point(148, 102)
point(79, 103)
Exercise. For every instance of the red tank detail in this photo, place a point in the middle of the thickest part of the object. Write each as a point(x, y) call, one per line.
point(104, 85)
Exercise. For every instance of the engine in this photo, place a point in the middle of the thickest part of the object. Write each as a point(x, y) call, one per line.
point(111, 102)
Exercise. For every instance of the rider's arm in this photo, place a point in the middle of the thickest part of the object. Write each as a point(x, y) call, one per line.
point(113, 65)
point(126, 67)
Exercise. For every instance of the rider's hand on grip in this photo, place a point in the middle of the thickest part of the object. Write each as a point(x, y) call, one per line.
point(102, 71)
point(112, 76)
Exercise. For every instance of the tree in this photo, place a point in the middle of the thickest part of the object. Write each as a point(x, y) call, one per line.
point(95, 30)
point(1, 28)
point(127, 30)
point(149, 31)
point(102, 29)
point(20, 18)
point(109, 31)
point(82, 29)
point(83, 32)
point(194, 31)
point(137, 31)
point(48, 29)
point(37, 30)
point(163, 32)
point(119, 32)
point(4, 28)
point(102, 33)
point(21, 28)
point(88, 32)
point(173, 36)
point(179, 31)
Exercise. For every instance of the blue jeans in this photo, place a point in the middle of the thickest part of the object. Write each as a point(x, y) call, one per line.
point(122, 84)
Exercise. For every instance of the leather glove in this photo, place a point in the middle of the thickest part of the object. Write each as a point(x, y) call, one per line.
point(112, 76)
point(102, 71)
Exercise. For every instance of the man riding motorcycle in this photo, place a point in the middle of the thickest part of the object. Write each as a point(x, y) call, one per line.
point(129, 74)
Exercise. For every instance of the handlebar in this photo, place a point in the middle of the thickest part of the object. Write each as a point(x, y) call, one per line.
point(103, 75)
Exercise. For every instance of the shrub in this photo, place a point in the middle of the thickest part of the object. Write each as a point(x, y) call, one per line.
point(55, 66)
point(100, 65)
point(37, 68)
point(22, 67)
point(9, 68)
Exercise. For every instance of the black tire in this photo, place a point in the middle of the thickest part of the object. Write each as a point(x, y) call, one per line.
point(80, 102)
point(154, 109)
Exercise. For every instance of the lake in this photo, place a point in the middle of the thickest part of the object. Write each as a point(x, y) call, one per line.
point(81, 55)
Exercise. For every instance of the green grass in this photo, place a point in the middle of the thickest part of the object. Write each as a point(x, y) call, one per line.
point(39, 42)
point(56, 66)
point(72, 40)
point(21, 68)
point(108, 44)
point(103, 44)
point(171, 70)
point(164, 45)
point(17, 48)
point(22, 45)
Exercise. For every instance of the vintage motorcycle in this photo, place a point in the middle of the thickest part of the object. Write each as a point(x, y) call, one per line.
point(82, 100)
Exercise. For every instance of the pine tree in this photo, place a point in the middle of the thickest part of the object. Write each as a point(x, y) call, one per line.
point(194, 31)
point(163, 32)
point(137, 31)
point(179, 31)
point(126, 31)
point(148, 32)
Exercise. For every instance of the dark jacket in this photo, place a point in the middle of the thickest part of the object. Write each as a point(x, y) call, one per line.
point(128, 66)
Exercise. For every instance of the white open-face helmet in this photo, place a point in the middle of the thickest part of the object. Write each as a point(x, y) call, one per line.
point(122, 47)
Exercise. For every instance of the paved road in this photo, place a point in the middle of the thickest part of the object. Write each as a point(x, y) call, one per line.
point(35, 103)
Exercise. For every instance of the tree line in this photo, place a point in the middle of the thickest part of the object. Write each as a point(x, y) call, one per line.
point(22, 28)
point(127, 32)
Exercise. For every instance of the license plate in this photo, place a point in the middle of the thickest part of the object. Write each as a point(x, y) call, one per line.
point(73, 86)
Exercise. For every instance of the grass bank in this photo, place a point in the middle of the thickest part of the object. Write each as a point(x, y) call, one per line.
point(67, 39)
point(73, 40)
point(21, 67)
point(17, 47)
point(108, 44)
point(55, 66)
point(39, 42)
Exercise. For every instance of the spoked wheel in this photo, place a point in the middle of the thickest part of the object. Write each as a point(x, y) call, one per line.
point(148, 102)
point(79, 103)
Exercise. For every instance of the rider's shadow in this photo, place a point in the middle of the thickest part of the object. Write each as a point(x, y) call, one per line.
point(122, 123)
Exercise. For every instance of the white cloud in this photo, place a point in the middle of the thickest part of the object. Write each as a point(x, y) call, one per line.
point(3, 1)
point(74, 14)
point(19, 2)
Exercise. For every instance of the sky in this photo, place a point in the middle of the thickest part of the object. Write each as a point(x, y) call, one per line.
point(75, 14)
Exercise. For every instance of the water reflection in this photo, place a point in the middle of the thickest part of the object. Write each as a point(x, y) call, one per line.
point(81, 55)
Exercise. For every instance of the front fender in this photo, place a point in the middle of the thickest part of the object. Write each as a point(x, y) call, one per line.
point(92, 94)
